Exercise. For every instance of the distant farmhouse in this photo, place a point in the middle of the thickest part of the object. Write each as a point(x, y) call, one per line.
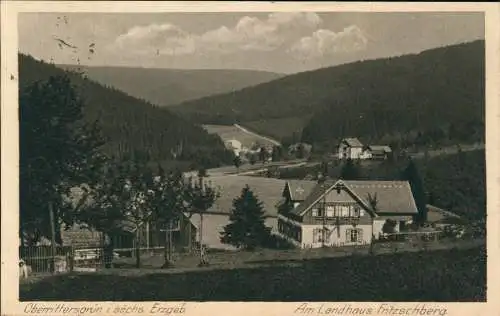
point(341, 213)
point(352, 148)
point(234, 145)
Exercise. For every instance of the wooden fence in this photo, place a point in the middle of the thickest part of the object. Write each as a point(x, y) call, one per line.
point(40, 259)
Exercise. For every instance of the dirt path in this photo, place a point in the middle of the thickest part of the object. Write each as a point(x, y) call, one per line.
point(449, 150)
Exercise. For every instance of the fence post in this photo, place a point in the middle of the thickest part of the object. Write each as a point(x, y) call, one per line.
point(53, 238)
point(71, 258)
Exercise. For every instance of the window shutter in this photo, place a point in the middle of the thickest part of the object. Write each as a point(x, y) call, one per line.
point(360, 235)
point(348, 234)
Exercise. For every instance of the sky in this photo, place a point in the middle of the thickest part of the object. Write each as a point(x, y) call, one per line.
point(284, 42)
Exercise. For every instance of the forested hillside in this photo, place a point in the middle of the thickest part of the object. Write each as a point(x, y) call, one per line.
point(434, 96)
point(131, 126)
point(170, 86)
point(439, 88)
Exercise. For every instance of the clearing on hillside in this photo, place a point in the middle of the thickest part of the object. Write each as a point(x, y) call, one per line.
point(229, 132)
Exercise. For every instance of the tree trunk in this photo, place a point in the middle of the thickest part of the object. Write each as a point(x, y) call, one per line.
point(167, 249)
point(203, 260)
point(137, 249)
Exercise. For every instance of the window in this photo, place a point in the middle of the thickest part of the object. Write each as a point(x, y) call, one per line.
point(355, 211)
point(330, 211)
point(344, 211)
point(315, 212)
point(320, 235)
point(317, 235)
point(354, 235)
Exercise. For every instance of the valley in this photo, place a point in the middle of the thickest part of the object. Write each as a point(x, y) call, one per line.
point(165, 87)
point(370, 174)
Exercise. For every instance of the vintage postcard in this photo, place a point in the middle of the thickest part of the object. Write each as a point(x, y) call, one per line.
point(163, 158)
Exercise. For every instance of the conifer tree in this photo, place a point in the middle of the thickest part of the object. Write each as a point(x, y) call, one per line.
point(252, 159)
point(412, 175)
point(247, 228)
point(350, 171)
point(237, 163)
point(277, 153)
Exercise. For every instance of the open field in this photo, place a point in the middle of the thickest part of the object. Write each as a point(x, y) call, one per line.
point(228, 132)
point(443, 276)
point(268, 191)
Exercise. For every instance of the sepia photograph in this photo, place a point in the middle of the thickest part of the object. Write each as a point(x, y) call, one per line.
point(251, 156)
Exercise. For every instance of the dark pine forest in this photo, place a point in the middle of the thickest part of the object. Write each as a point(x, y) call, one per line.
point(134, 127)
point(434, 97)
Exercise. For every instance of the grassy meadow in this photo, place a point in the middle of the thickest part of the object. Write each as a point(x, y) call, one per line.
point(228, 132)
point(441, 276)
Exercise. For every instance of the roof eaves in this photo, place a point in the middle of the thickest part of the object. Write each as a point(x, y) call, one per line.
point(319, 198)
point(360, 200)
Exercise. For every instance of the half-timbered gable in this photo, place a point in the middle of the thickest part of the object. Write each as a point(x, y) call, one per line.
point(348, 212)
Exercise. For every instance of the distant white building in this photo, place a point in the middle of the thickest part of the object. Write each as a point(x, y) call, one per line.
point(350, 148)
point(234, 145)
point(376, 152)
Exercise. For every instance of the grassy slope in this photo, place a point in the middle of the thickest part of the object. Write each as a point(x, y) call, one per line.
point(127, 123)
point(228, 132)
point(171, 86)
point(437, 86)
point(448, 275)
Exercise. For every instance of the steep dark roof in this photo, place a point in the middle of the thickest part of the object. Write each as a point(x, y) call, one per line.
point(380, 148)
point(353, 142)
point(316, 193)
point(300, 189)
point(393, 197)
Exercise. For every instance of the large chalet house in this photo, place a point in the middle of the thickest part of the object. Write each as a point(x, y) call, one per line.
point(352, 148)
point(338, 213)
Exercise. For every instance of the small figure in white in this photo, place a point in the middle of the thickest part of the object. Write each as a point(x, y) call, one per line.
point(24, 269)
point(203, 256)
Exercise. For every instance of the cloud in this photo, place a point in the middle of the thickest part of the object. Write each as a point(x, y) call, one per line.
point(299, 33)
point(325, 42)
point(249, 34)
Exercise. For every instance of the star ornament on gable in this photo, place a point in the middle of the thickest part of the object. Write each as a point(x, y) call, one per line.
point(299, 190)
